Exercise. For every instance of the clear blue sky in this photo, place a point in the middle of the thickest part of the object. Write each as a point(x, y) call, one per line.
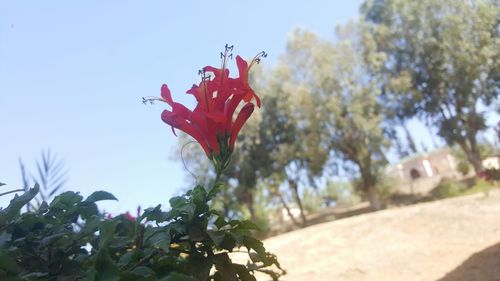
point(72, 74)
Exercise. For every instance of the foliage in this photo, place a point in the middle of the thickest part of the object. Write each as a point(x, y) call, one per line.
point(341, 192)
point(345, 107)
point(452, 188)
point(51, 177)
point(291, 137)
point(69, 239)
point(463, 167)
point(386, 187)
point(484, 148)
point(441, 63)
point(449, 188)
point(312, 200)
point(479, 186)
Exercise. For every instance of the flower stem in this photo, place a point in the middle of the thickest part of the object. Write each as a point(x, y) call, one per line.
point(217, 177)
point(214, 189)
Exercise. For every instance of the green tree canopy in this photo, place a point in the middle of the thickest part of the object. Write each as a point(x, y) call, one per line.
point(442, 63)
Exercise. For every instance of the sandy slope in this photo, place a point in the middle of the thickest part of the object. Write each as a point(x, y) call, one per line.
point(453, 239)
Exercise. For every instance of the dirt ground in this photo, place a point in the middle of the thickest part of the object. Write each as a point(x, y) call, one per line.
point(455, 239)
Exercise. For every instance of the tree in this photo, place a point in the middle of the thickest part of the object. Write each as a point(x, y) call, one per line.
point(345, 102)
point(291, 135)
point(442, 63)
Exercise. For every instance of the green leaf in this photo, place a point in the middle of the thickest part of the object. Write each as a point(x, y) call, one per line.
point(220, 222)
point(216, 236)
point(228, 243)
point(8, 264)
point(16, 204)
point(100, 196)
point(199, 195)
point(223, 239)
point(225, 268)
point(254, 244)
point(213, 192)
point(183, 208)
point(243, 226)
point(88, 210)
point(143, 271)
point(177, 202)
point(105, 268)
point(154, 214)
point(126, 258)
point(107, 231)
point(243, 273)
point(65, 200)
point(200, 266)
point(196, 233)
point(159, 238)
point(174, 276)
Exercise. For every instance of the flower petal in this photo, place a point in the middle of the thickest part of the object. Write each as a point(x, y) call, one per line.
point(180, 123)
point(166, 95)
point(230, 107)
point(207, 127)
point(203, 95)
point(243, 116)
point(243, 80)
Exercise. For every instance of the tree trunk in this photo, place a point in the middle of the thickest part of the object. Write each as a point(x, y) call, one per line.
point(475, 160)
point(369, 183)
point(285, 205)
point(295, 190)
point(249, 203)
point(472, 154)
point(372, 196)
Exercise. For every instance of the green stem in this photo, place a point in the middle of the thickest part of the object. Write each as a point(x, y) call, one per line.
point(217, 178)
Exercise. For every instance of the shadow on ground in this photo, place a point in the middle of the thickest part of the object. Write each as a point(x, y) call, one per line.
point(481, 266)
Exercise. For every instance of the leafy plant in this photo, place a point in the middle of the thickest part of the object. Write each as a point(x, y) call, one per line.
point(69, 239)
point(448, 188)
point(463, 168)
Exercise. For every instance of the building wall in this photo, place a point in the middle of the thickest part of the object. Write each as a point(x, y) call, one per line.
point(421, 173)
point(492, 162)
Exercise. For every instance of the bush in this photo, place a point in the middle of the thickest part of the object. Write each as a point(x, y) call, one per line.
point(449, 188)
point(463, 168)
point(341, 192)
point(386, 187)
point(480, 185)
point(69, 239)
point(311, 201)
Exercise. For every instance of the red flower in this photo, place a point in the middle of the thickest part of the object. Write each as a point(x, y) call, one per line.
point(129, 217)
point(218, 97)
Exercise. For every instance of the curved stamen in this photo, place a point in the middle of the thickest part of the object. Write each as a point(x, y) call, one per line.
point(152, 100)
point(257, 58)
